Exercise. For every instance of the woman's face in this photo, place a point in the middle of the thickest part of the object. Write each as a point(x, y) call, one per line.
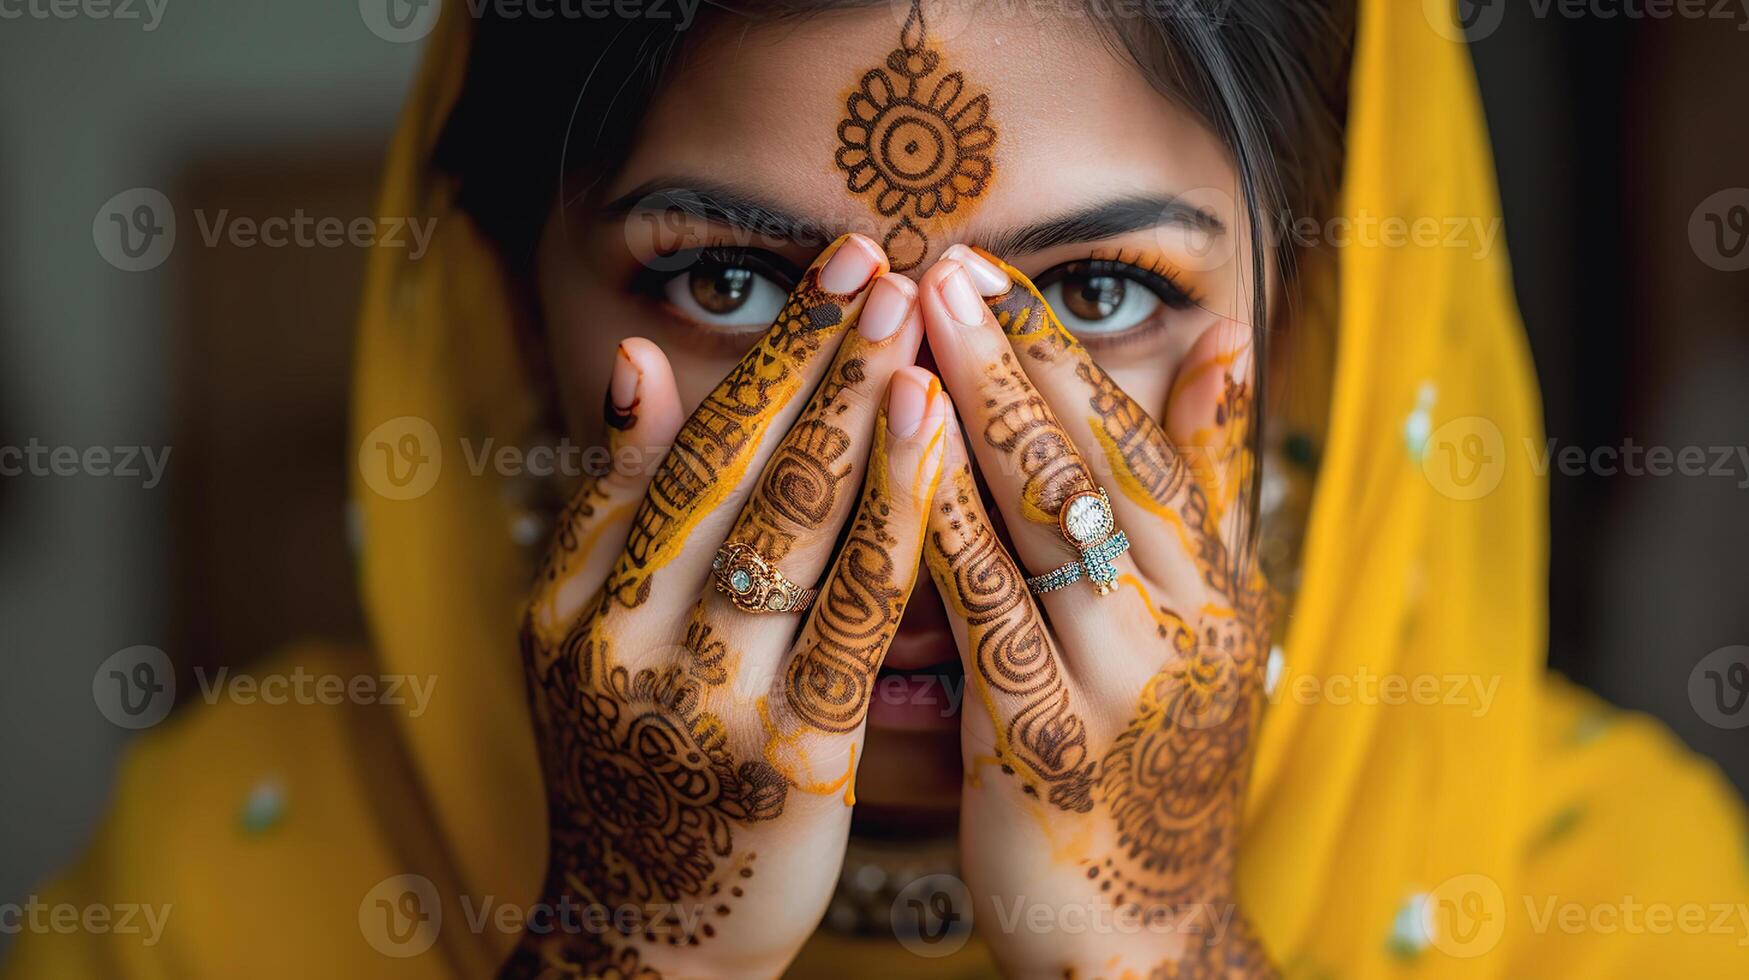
point(1117, 202)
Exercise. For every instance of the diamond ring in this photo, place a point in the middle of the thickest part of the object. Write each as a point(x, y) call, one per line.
point(1086, 522)
point(753, 584)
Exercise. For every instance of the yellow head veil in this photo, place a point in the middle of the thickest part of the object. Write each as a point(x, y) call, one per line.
point(1425, 800)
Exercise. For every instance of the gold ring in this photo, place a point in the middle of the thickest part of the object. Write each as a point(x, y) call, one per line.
point(753, 584)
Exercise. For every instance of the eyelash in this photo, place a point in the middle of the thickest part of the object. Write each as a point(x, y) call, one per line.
point(651, 281)
point(1151, 272)
point(777, 268)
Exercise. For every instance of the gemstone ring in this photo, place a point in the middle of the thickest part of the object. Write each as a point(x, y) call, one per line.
point(753, 584)
point(1086, 522)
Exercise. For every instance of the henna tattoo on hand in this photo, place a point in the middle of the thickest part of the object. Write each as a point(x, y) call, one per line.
point(644, 798)
point(801, 484)
point(828, 683)
point(717, 443)
point(912, 146)
point(1023, 427)
point(1172, 783)
point(1172, 780)
point(1043, 742)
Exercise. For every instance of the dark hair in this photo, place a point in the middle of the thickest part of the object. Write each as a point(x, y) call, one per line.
point(551, 105)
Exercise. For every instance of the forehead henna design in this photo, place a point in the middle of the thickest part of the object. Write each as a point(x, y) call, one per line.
point(915, 143)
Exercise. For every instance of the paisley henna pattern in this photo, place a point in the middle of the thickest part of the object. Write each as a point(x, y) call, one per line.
point(914, 144)
point(713, 449)
point(801, 484)
point(1172, 783)
point(828, 683)
point(1042, 741)
point(1022, 426)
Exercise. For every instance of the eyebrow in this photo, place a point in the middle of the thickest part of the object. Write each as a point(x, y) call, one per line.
point(714, 202)
point(1101, 221)
point(708, 201)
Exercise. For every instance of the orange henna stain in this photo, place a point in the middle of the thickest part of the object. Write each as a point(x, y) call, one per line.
point(784, 752)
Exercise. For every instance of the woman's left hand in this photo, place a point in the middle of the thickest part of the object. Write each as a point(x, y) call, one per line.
point(1107, 732)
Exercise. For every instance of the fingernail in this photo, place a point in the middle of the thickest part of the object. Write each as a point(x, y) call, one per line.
point(889, 303)
point(990, 280)
point(622, 391)
point(908, 400)
point(961, 297)
point(851, 267)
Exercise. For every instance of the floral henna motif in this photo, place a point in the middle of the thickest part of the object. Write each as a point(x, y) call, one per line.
point(1172, 780)
point(1043, 743)
point(1021, 426)
point(914, 143)
point(828, 681)
point(644, 799)
point(713, 449)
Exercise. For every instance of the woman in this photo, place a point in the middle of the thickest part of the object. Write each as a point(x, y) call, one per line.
point(732, 668)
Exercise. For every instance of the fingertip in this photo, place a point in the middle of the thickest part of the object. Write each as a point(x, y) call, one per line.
point(890, 310)
point(653, 406)
point(989, 278)
point(851, 264)
point(913, 395)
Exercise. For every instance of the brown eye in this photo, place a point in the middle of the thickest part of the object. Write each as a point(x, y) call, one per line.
point(732, 292)
point(1092, 297)
point(719, 289)
point(1101, 298)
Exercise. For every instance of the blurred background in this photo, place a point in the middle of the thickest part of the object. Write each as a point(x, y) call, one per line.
point(1624, 167)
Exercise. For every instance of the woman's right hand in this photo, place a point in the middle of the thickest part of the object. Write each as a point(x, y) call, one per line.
point(699, 758)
